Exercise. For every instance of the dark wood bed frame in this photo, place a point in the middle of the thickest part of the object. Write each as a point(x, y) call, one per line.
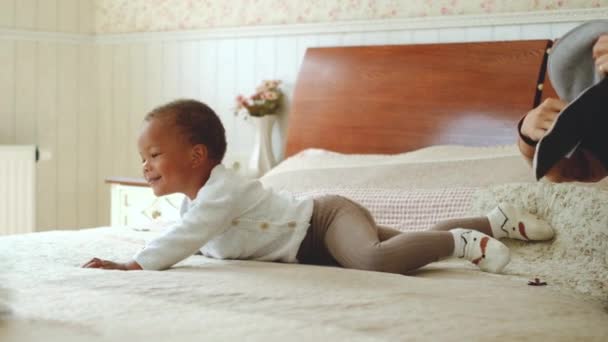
point(391, 99)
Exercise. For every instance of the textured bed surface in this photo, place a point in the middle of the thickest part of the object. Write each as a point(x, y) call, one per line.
point(52, 298)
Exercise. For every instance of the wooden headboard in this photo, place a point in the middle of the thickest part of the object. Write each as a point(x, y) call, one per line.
point(391, 99)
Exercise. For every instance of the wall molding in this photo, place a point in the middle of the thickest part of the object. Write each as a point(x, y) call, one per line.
point(420, 23)
point(46, 36)
point(436, 22)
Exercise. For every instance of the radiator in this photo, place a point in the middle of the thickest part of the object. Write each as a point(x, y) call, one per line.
point(17, 189)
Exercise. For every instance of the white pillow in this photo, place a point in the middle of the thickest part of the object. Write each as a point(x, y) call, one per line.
point(320, 159)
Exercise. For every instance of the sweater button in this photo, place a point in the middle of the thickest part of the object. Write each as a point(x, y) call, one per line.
point(235, 222)
point(291, 224)
point(264, 225)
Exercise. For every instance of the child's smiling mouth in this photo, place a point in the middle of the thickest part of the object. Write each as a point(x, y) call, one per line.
point(152, 180)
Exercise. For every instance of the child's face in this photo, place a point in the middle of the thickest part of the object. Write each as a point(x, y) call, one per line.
point(166, 158)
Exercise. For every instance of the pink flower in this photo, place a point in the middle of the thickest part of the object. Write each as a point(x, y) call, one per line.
point(270, 95)
point(241, 101)
point(265, 101)
point(261, 88)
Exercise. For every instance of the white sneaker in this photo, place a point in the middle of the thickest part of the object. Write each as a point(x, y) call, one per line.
point(483, 250)
point(513, 222)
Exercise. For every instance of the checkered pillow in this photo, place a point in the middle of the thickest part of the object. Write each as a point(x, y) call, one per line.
point(406, 210)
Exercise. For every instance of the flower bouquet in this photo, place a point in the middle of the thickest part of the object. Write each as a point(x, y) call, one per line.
point(265, 101)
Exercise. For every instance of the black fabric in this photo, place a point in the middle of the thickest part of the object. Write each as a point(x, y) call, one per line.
point(583, 122)
point(596, 139)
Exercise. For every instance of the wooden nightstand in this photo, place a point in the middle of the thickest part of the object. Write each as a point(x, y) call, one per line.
point(135, 205)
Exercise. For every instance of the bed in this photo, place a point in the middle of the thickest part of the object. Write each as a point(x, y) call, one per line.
point(417, 133)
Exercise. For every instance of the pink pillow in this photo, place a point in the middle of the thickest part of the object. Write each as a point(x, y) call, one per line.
point(406, 210)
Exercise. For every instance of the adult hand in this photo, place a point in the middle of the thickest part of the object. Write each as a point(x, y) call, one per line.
point(600, 54)
point(111, 265)
point(538, 121)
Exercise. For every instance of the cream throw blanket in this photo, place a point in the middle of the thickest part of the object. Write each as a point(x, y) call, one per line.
point(578, 256)
point(202, 299)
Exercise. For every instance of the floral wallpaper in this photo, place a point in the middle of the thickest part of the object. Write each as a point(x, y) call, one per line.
point(120, 16)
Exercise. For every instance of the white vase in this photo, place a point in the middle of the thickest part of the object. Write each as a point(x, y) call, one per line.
point(262, 157)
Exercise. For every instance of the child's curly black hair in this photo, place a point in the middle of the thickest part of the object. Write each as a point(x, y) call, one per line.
point(197, 122)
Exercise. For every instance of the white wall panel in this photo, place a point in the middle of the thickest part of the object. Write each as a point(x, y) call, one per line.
point(265, 68)
point(88, 181)
point(351, 39)
point(304, 42)
point(137, 102)
point(287, 54)
point(226, 89)
point(247, 80)
point(46, 109)
point(106, 154)
point(67, 135)
point(46, 13)
point(48, 100)
point(189, 80)
point(478, 34)
point(328, 40)
point(25, 14)
point(265, 58)
point(121, 98)
point(287, 72)
point(399, 37)
point(153, 61)
point(535, 31)
point(425, 36)
point(374, 38)
point(7, 89)
point(170, 70)
point(25, 92)
point(68, 12)
point(86, 16)
point(7, 13)
point(559, 29)
point(452, 35)
point(507, 32)
point(209, 71)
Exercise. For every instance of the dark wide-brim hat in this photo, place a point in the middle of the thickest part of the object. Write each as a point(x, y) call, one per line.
point(571, 66)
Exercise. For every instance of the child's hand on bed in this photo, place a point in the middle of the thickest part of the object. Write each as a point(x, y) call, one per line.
point(110, 265)
point(538, 121)
point(600, 54)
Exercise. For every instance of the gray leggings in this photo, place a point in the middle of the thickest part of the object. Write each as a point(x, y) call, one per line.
point(343, 233)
